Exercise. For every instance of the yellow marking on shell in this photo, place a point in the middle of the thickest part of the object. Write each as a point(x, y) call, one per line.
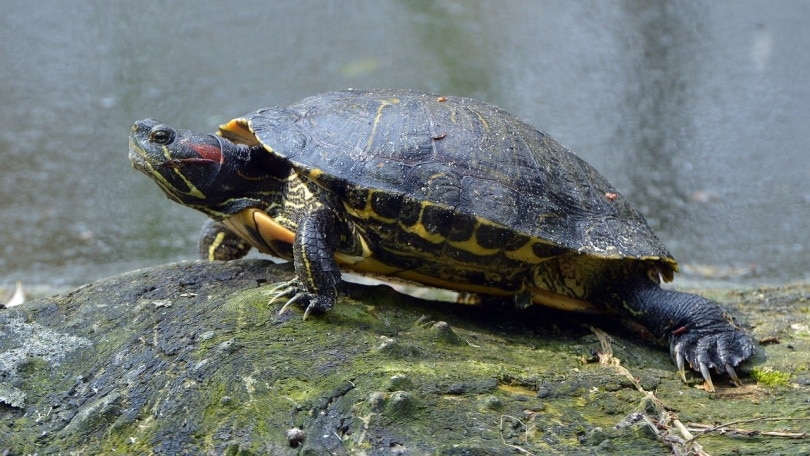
point(471, 245)
point(451, 285)
point(482, 119)
point(367, 212)
point(526, 254)
point(420, 230)
point(215, 245)
point(377, 118)
point(315, 174)
point(238, 131)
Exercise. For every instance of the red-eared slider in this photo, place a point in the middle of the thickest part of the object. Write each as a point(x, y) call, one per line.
point(446, 191)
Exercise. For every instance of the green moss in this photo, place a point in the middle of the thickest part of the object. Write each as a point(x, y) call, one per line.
point(770, 377)
point(219, 371)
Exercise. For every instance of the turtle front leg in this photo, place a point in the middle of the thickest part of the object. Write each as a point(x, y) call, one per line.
point(317, 272)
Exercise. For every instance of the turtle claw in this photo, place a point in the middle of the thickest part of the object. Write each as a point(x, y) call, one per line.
point(290, 302)
point(707, 378)
point(718, 348)
point(298, 294)
point(291, 288)
point(282, 289)
point(708, 385)
point(733, 375)
point(679, 361)
point(307, 311)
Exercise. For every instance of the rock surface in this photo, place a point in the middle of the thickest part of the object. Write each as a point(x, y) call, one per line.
point(190, 359)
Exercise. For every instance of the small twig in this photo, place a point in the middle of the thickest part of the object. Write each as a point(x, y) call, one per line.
point(689, 444)
point(606, 358)
point(704, 429)
point(525, 435)
point(662, 429)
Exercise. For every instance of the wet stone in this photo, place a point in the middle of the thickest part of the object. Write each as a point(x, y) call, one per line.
point(400, 404)
point(376, 401)
point(355, 380)
point(393, 348)
point(442, 332)
point(399, 382)
point(492, 403)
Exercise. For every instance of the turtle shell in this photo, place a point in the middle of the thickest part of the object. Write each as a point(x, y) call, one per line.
point(459, 154)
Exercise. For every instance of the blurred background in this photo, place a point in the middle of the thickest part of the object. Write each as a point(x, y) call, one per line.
point(698, 111)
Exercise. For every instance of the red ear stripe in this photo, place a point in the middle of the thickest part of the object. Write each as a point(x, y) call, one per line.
point(207, 152)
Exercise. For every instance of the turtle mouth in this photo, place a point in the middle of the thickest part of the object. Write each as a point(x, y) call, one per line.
point(140, 158)
point(141, 151)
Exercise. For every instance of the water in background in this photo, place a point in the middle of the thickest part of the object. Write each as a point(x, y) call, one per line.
point(697, 111)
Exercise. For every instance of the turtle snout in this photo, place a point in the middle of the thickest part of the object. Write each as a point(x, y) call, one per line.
point(144, 126)
point(141, 148)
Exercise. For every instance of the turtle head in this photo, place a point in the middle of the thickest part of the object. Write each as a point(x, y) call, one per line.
point(202, 171)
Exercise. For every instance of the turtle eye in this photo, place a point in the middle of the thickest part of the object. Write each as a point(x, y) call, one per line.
point(161, 135)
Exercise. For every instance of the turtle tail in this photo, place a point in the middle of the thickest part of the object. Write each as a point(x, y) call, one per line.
point(698, 330)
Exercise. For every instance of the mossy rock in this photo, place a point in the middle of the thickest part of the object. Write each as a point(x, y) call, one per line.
point(189, 358)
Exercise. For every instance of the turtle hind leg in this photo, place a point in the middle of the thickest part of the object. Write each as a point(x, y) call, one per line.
point(699, 332)
point(218, 243)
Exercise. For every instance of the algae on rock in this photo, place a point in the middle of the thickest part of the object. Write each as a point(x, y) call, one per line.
point(189, 359)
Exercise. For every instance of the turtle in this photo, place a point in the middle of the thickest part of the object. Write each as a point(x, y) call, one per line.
point(446, 191)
